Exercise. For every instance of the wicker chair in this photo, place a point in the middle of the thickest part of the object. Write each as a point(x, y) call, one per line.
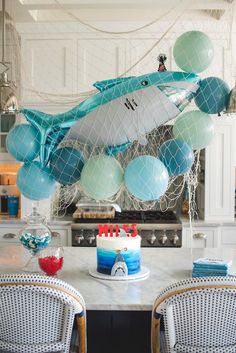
point(199, 316)
point(37, 315)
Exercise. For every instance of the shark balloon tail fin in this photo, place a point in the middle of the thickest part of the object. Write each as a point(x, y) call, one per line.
point(35, 117)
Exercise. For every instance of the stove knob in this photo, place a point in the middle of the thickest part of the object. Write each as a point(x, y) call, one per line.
point(79, 237)
point(91, 238)
point(163, 238)
point(174, 239)
point(152, 238)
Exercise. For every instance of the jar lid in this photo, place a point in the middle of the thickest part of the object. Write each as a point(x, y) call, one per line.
point(35, 217)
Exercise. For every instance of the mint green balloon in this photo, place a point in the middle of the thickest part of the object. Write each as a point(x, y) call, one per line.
point(193, 51)
point(194, 127)
point(101, 177)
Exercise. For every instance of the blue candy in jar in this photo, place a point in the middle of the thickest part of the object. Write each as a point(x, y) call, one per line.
point(34, 242)
point(34, 236)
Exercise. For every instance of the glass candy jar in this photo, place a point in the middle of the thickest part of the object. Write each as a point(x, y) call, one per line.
point(34, 236)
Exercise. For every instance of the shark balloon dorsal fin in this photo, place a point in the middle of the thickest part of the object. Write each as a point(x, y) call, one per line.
point(106, 84)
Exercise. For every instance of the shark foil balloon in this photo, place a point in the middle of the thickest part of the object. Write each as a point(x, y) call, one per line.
point(123, 111)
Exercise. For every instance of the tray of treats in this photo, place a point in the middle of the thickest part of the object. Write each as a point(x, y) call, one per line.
point(89, 210)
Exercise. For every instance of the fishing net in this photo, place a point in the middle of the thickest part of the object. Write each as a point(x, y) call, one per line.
point(110, 141)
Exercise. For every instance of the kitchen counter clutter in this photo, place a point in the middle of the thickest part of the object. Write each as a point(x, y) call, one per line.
point(166, 266)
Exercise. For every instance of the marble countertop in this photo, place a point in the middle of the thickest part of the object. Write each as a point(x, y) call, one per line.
point(166, 266)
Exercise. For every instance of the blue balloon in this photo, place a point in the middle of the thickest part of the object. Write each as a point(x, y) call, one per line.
point(177, 157)
point(212, 96)
point(23, 142)
point(35, 182)
point(66, 165)
point(146, 178)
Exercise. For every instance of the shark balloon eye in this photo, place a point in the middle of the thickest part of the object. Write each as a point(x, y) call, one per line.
point(144, 83)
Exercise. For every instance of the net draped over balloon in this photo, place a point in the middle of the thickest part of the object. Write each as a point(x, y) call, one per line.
point(120, 143)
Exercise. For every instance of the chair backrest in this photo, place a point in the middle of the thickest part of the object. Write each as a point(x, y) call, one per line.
point(37, 314)
point(199, 316)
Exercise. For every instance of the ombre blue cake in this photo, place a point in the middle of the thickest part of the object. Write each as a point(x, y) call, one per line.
point(109, 247)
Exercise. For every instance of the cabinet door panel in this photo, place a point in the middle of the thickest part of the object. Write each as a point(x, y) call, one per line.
point(219, 186)
point(149, 63)
point(60, 237)
point(99, 59)
point(201, 237)
point(228, 237)
point(9, 235)
point(49, 67)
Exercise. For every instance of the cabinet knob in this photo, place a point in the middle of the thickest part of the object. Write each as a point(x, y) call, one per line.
point(9, 236)
point(199, 236)
point(55, 234)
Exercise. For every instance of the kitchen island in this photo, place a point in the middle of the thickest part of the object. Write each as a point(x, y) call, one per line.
point(119, 311)
point(166, 266)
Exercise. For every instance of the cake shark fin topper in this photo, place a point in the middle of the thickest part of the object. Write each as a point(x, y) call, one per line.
point(124, 110)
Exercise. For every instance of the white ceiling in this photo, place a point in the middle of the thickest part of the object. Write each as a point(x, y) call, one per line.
point(60, 10)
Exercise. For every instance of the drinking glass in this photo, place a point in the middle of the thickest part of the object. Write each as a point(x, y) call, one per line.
point(51, 260)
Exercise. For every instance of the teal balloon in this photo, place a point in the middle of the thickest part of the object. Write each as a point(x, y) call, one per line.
point(23, 142)
point(193, 51)
point(66, 165)
point(101, 177)
point(34, 181)
point(195, 128)
point(146, 178)
point(212, 95)
point(177, 157)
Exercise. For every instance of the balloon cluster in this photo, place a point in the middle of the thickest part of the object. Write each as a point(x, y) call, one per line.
point(145, 177)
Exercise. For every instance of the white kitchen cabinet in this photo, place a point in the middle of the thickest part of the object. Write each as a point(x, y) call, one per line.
point(66, 65)
point(201, 237)
point(98, 61)
point(48, 66)
point(6, 123)
point(9, 234)
point(61, 234)
point(228, 237)
point(219, 185)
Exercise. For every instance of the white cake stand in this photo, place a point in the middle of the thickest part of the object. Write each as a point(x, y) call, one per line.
point(143, 274)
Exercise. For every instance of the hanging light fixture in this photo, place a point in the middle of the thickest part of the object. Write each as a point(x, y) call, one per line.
point(8, 100)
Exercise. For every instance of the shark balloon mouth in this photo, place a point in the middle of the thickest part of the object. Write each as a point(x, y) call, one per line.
point(124, 110)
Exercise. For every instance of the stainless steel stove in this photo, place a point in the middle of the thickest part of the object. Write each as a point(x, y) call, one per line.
point(157, 229)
